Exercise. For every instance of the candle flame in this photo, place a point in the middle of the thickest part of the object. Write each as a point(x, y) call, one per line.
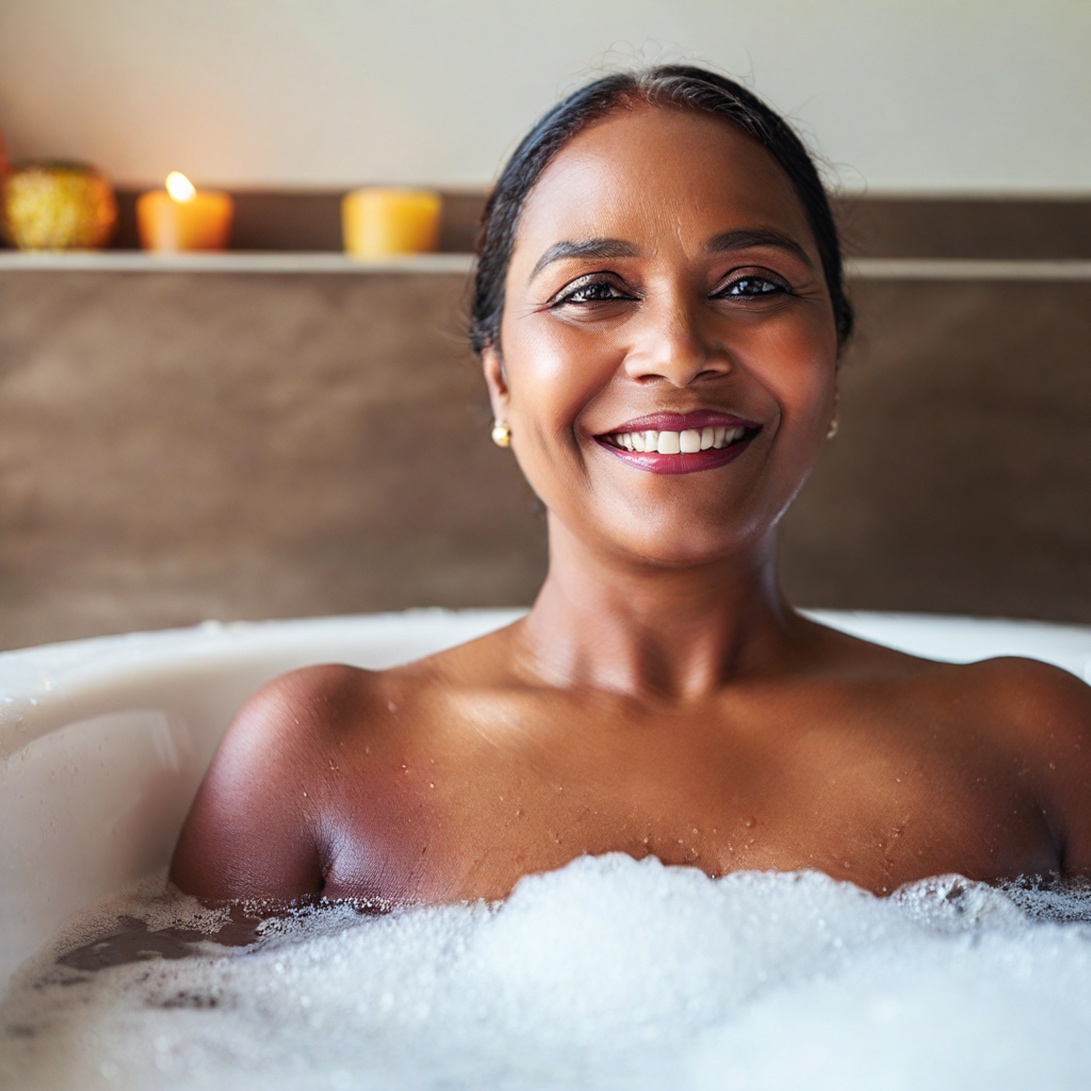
point(180, 187)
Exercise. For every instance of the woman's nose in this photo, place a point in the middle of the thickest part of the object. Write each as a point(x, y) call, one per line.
point(677, 345)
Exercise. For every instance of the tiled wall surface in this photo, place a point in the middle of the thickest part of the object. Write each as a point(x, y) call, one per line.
point(960, 480)
point(183, 446)
point(176, 447)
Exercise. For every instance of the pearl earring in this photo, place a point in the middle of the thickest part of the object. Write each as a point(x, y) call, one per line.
point(501, 434)
point(832, 431)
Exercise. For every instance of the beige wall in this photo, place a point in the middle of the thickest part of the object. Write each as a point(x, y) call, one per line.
point(988, 96)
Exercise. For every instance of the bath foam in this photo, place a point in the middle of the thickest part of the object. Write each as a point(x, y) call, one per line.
point(608, 973)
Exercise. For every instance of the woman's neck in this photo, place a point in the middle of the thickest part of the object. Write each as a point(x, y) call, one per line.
point(652, 632)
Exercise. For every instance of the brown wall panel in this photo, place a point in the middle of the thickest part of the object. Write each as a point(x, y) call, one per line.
point(182, 446)
point(960, 480)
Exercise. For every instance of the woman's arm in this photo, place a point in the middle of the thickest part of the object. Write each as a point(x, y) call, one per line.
point(1051, 709)
point(253, 831)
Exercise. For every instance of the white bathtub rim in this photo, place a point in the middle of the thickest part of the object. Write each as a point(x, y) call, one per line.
point(51, 685)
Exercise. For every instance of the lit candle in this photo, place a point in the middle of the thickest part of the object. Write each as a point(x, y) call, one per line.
point(181, 218)
point(380, 222)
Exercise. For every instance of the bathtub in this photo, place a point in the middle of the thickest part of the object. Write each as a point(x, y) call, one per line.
point(104, 741)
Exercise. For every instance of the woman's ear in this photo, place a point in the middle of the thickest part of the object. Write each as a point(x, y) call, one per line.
point(495, 379)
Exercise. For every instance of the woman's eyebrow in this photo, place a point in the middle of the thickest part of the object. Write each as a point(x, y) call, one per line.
point(584, 248)
point(743, 239)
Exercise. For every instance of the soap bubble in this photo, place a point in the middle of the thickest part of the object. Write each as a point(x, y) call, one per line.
point(608, 973)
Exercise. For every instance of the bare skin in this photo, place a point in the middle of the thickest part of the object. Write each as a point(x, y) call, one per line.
point(661, 697)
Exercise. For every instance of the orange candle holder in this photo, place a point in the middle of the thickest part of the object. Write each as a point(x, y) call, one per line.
point(181, 218)
point(378, 222)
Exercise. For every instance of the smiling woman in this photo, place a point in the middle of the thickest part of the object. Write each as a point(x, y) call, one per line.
point(659, 312)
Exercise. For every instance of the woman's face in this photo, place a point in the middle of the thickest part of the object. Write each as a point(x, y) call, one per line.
point(667, 352)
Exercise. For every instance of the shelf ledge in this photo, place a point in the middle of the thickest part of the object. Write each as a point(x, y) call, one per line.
point(124, 261)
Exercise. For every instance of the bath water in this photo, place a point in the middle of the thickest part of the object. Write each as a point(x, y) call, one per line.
point(609, 973)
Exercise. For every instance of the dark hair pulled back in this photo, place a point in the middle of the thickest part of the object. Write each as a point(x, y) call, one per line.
point(679, 86)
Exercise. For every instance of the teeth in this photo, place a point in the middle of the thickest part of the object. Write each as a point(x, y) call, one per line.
point(673, 443)
point(690, 441)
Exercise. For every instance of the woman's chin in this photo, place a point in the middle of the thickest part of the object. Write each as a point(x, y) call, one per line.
point(684, 553)
point(662, 536)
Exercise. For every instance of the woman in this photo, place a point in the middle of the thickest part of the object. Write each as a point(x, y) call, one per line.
point(659, 311)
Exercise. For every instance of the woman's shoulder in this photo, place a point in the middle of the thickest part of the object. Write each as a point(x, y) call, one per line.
point(313, 751)
point(312, 705)
point(1019, 690)
point(255, 829)
point(1033, 699)
point(1041, 716)
point(1028, 705)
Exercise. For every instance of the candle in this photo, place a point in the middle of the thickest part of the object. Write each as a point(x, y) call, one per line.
point(380, 222)
point(181, 218)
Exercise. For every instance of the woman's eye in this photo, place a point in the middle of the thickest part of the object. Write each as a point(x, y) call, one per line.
point(751, 287)
point(590, 291)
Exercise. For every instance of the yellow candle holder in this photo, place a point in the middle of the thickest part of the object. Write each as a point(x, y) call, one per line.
point(56, 206)
point(181, 217)
point(379, 222)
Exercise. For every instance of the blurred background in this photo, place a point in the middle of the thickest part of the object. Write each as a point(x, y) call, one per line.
point(277, 430)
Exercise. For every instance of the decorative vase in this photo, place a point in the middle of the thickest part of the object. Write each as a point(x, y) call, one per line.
point(57, 206)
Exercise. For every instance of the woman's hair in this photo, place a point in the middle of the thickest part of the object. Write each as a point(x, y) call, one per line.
point(680, 86)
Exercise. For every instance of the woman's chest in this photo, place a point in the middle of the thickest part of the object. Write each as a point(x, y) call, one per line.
point(877, 809)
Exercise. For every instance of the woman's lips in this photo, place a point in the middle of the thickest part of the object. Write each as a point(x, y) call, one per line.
point(680, 443)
